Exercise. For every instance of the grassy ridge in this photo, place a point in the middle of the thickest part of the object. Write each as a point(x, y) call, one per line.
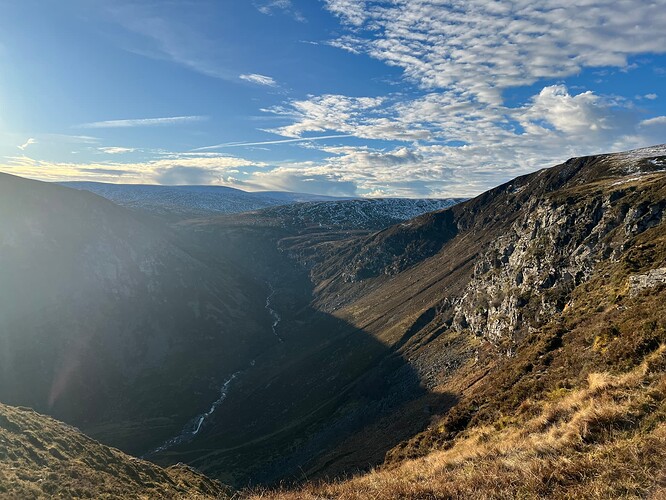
point(43, 458)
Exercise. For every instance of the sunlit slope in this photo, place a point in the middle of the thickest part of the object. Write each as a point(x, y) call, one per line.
point(458, 290)
point(107, 321)
point(43, 458)
point(539, 306)
point(404, 321)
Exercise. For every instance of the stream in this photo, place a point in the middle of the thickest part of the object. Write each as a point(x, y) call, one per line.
point(276, 317)
point(193, 427)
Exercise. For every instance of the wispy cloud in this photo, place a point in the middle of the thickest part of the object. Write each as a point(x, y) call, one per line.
point(286, 6)
point(362, 117)
point(114, 150)
point(259, 79)
point(164, 34)
point(144, 122)
point(27, 143)
point(263, 143)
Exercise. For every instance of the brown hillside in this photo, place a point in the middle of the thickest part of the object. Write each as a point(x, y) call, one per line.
point(43, 458)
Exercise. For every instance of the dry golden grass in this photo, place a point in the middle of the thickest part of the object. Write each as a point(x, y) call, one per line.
point(606, 440)
point(43, 458)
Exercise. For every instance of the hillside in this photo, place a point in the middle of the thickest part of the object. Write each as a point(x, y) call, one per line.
point(431, 307)
point(102, 313)
point(544, 320)
point(43, 458)
point(509, 345)
point(181, 202)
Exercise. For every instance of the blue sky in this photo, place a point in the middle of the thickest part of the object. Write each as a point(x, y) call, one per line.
point(342, 97)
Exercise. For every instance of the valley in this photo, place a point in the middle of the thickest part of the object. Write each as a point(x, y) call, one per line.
point(332, 249)
point(314, 341)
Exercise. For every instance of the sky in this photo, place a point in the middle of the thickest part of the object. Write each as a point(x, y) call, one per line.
point(417, 98)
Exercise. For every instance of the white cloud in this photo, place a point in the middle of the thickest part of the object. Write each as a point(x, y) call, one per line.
point(657, 120)
point(259, 79)
point(650, 97)
point(286, 6)
point(584, 113)
point(350, 11)
point(171, 168)
point(114, 150)
point(303, 178)
point(347, 115)
point(144, 122)
point(27, 143)
point(454, 145)
point(482, 47)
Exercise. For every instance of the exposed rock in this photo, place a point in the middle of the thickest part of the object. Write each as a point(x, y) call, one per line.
point(651, 279)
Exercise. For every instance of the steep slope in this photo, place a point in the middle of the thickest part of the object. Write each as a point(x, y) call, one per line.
point(325, 380)
point(462, 294)
point(43, 458)
point(102, 314)
point(604, 439)
point(190, 201)
point(574, 405)
point(417, 316)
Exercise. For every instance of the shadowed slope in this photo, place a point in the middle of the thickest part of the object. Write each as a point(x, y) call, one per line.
point(107, 322)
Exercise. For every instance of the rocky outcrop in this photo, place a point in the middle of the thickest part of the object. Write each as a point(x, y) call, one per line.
point(527, 275)
point(651, 279)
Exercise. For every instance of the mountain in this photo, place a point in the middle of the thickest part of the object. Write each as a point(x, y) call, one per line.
point(109, 322)
point(190, 201)
point(43, 458)
point(183, 202)
point(511, 345)
point(459, 316)
point(135, 331)
point(539, 306)
point(367, 214)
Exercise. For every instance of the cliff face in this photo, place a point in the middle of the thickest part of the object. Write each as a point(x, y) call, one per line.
point(515, 253)
point(527, 273)
point(479, 295)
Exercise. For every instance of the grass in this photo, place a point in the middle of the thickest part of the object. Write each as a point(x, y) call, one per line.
point(43, 458)
point(600, 441)
point(578, 412)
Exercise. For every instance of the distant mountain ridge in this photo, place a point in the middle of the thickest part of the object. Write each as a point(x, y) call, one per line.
point(371, 214)
point(191, 201)
point(184, 202)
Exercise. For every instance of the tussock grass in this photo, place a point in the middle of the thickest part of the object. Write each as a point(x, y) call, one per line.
point(598, 441)
point(43, 458)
